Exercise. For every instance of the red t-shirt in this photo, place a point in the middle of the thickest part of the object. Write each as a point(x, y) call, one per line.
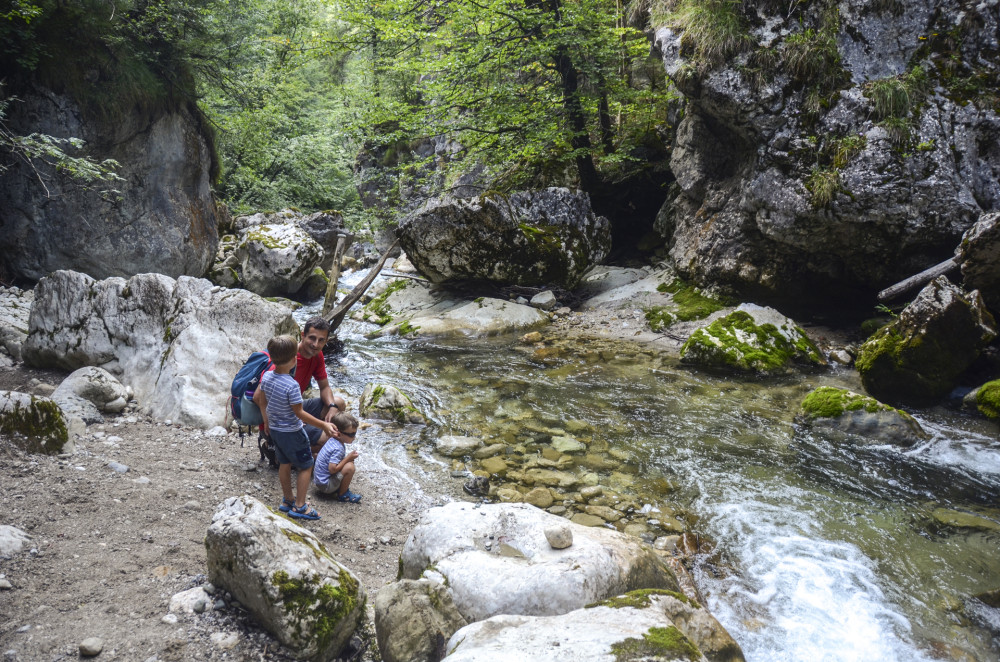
point(306, 369)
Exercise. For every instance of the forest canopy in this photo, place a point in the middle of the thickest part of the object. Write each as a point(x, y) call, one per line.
point(526, 92)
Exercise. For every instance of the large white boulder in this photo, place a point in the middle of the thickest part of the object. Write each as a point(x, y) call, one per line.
point(285, 577)
point(496, 559)
point(176, 343)
point(642, 625)
point(95, 385)
point(15, 308)
point(276, 259)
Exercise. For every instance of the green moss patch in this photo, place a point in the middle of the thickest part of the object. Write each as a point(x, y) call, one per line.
point(669, 643)
point(830, 402)
point(38, 427)
point(315, 607)
point(736, 341)
point(988, 399)
point(377, 310)
point(640, 599)
point(690, 305)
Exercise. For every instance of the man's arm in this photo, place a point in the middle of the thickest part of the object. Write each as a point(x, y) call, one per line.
point(309, 419)
point(260, 400)
point(326, 395)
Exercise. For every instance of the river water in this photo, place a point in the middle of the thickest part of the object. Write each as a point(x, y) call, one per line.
point(824, 548)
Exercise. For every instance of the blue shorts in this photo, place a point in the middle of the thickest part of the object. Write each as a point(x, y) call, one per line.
point(313, 406)
point(293, 448)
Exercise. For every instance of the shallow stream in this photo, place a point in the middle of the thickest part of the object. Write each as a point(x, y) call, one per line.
point(824, 548)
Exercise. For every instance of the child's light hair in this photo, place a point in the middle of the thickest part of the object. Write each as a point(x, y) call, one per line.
point(344, 421)
point(282, 349)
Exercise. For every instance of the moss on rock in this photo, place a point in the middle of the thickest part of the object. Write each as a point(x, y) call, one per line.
point(737, 341)
point(988, 399)
point(640, 599)
point(316, 607)
point(377, 310)
point(33, 423)
point(830, 402)
point(657, 643)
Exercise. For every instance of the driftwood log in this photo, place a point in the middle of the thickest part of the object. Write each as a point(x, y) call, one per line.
point(918, 280)
point(340, 312)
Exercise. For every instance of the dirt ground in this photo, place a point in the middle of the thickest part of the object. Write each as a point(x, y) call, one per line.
point(109, 549)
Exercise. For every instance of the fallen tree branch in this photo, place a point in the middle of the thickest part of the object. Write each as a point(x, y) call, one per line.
point(340, 312)
point(915, 281)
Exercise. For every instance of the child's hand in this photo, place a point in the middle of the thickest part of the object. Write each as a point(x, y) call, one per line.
point(352, 455)
point(330, 429)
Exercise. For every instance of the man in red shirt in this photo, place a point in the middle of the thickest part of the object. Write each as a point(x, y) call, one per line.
point(310, 364)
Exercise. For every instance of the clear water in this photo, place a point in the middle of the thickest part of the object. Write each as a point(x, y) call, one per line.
point(825, 549)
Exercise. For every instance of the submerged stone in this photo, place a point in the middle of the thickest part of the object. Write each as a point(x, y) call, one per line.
point(853, 413)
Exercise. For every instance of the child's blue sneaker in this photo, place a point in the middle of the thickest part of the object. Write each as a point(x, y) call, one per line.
point(286, 505)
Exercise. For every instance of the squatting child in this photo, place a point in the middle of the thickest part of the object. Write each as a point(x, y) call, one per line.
point(334, 466)
point(284, 420)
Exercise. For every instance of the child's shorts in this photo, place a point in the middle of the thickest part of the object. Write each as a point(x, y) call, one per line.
point(292, 447)
point(329, 488)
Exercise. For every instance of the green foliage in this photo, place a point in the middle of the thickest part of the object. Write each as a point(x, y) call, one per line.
point(714, 30)
point(897, 96)
point(813, 60)
point(823, 185)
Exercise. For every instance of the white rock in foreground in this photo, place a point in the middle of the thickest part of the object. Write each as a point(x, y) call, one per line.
point(176, 343)
point(521, 573)
point(641, 625)
point(285, 577)
point(12, 540)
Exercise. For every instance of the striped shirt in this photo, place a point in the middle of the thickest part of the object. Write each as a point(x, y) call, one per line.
point(282, 392)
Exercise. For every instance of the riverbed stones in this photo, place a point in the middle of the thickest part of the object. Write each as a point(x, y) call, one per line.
point(852, 413)
point(525, 575)
point(494, 465)
point(540, 497)
point(586, 519)
point(176, 343)
point(552, 478)
point(752, 339)
point(529, 238)
point(489, 451)
point(568, 445)
point(457, 445)
point(33, 423)
point(386, 402)
point(965, 519)
point(414, 619)
point(918, 358)
point(647, 625)
point(544, 300)
point(285, 577)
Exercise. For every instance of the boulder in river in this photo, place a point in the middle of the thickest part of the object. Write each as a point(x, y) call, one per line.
point(985, 399)
point(640, 625)
point(918, 358)
point(751, 339)
point(176, 343)
point(276, 260)
point(495, 559)
point(530, 238)
point(285, 577)
point(386, 402)
point(852, 413)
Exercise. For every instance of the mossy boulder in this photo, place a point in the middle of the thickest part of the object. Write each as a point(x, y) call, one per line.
point(315, 286)
point(285, 577)
point(531, 238)
point(277, 259)
point(985, 400)
point(413, 621)
point(751, 339)
point(852, 413)
point(918, 358)
point(33, 423)
point(386, 402)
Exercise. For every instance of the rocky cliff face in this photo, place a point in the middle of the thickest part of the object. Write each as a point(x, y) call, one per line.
point(163, 220)
point(842, 147)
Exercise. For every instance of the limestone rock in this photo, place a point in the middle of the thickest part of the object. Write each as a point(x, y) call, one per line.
point(276, 260)
point(12, 540)
point(95, 385)
point(647, 625)
point(560, 536)
point(853, 413)
point(285, 577)
point(192, 601)
point(176, 343)
point(751, 339)
point(33, 423)
point(387, 402)
point(91, 646)
point(529, 238)
point(15, 308)
point(918, 357)
point(985, 399)
point(164, 220)
point(540, 497)
point(524, 575)
point(978, 255)
point(545, 300)
point(792, 200)
point(457, 446)
point(413, 621)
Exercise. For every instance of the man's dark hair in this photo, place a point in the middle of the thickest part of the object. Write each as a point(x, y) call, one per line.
point(318, 323)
